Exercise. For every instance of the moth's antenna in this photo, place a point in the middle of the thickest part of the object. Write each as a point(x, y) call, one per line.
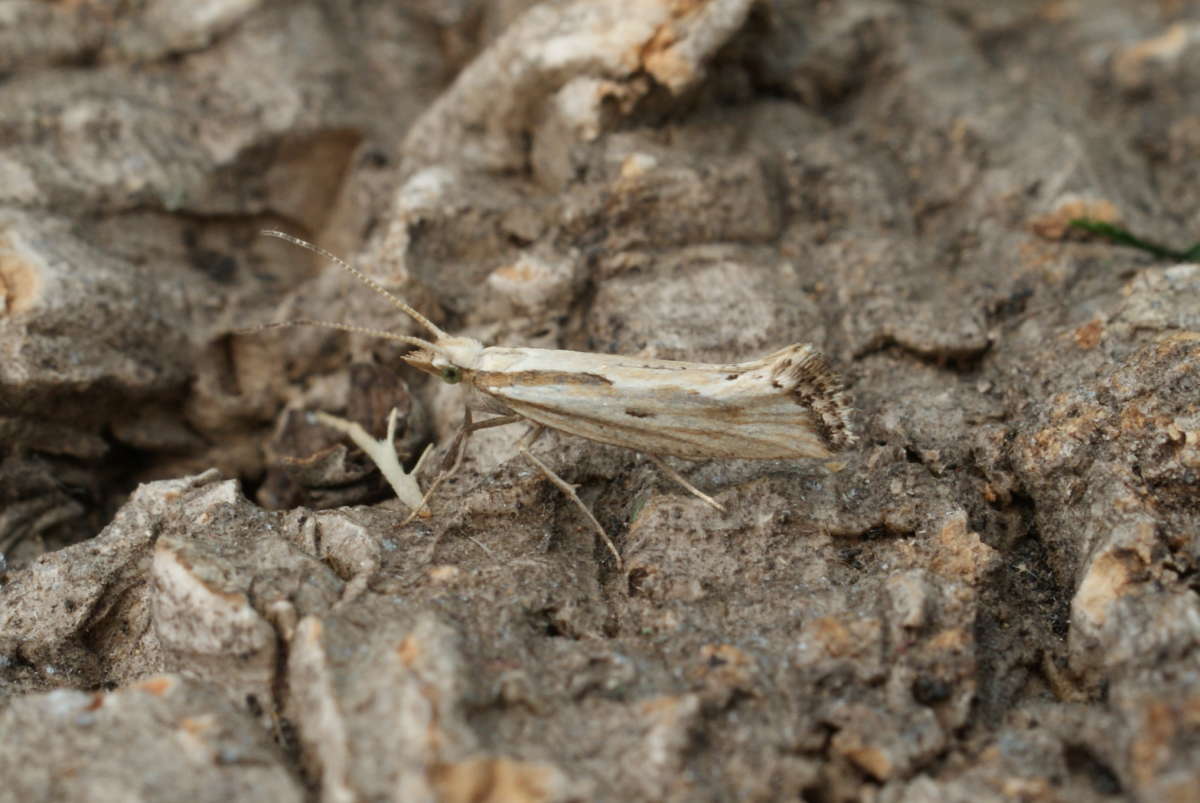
point(369, 282)
point(346, 327)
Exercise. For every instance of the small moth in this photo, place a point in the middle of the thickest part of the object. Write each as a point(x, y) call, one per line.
point(788, 404)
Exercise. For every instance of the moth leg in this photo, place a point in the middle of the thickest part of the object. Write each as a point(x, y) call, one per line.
point(470, 427)
point(458, 448)
point(675, 475)
point(566, 487)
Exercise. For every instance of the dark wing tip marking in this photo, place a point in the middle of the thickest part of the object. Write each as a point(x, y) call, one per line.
point(639, 413)
point(805, 373)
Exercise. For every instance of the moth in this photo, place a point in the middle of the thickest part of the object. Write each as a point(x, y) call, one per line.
point(788, 404)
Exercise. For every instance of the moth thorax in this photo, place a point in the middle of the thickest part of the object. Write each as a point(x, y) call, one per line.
point(461, 352)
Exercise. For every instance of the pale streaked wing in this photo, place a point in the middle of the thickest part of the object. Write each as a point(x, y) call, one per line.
point(785, 405)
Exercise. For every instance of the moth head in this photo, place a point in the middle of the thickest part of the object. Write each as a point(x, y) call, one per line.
point(449, 359)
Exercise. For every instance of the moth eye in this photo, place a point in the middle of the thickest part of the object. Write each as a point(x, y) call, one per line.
point(452, 374)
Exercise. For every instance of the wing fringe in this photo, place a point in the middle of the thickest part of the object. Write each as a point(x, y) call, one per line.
point(804, 372)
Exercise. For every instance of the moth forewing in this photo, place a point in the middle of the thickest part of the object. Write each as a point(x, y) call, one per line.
point(785, 405)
